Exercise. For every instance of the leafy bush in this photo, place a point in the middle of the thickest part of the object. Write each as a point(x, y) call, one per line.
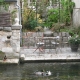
point(74, 39)
point(75, 36)
point(29, 21)
point(53, 17)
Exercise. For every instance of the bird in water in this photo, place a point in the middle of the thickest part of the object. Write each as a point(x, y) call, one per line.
point(5, 58)
point(43, 73)
point(48, 73)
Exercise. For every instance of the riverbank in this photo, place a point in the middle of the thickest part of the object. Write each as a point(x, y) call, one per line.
point(49, 55)
point(9, 58)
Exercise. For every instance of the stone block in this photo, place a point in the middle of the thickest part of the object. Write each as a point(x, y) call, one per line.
point(18, 49)
point(22, 57)
point(1, 28)
point(67, 34)
point(34, 34)
point(7, 50)
point(63, 34)
point(16, 27)
point(65, 39)
point(7, 29)
point(55, 34)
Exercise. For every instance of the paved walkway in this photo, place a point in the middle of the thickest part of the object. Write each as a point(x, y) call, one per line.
point(30, 55)
point(63, 54)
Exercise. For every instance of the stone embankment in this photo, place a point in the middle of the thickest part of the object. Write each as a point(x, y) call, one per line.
point(9, 61)
point(65, 55)
point(27, 55)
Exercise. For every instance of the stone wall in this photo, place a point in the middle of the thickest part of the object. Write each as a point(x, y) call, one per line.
point(4, 41)
point(30, 39)
point(10, 40)
point(5, 20)
point(76, 13)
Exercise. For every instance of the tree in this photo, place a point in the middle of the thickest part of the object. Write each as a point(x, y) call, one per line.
point(30, 17)
point(67, 11)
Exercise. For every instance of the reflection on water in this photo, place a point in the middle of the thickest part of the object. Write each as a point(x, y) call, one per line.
point(60, 71)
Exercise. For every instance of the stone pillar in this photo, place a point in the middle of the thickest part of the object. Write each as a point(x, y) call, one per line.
point(13, 43)
point(15, 39)
point(76, 13)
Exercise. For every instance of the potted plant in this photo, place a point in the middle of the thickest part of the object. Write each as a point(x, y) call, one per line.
point(74, 42)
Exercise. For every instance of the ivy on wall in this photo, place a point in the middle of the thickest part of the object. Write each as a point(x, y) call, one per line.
point(3, 6)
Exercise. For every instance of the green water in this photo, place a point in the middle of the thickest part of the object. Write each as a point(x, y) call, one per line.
point(60, 71)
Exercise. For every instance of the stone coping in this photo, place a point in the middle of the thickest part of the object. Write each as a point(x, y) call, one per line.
point(16, 27)
point(9, 61)
point(62, 56)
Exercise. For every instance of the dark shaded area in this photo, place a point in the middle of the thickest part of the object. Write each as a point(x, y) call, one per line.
point(5, 20)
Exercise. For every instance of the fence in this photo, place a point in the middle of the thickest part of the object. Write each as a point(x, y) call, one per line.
point(30, 39)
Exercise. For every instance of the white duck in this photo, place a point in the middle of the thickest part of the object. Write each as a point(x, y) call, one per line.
point(48, 73)
point(39, 73)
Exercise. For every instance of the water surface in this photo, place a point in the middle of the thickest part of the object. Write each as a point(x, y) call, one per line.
point(60, 71)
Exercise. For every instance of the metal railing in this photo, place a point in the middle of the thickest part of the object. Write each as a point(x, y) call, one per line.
point(30, 39)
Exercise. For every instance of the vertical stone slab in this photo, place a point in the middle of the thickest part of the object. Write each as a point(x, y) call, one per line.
point(16, 38)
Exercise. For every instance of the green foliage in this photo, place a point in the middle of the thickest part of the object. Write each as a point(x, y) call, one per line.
point(74, 39)
point(4, 5)
point(13, 15)
point(66, 11)
point(74, 30)
point(53, 17)
point(29, 19)
point(1, 1)
point(75, 36)
point(1, 52)
point(31, 24)
point(60, 14)
point(71, 32)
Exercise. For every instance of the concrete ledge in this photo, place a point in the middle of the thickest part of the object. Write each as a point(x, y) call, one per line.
point(1, 28)
point(16, 27)
point(7, 49)
point(52, 58)
point(7, 29)
point(10, 61)
point(46, 61)
point(65, 55)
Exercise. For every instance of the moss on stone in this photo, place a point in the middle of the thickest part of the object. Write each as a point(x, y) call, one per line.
point(2, 54)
